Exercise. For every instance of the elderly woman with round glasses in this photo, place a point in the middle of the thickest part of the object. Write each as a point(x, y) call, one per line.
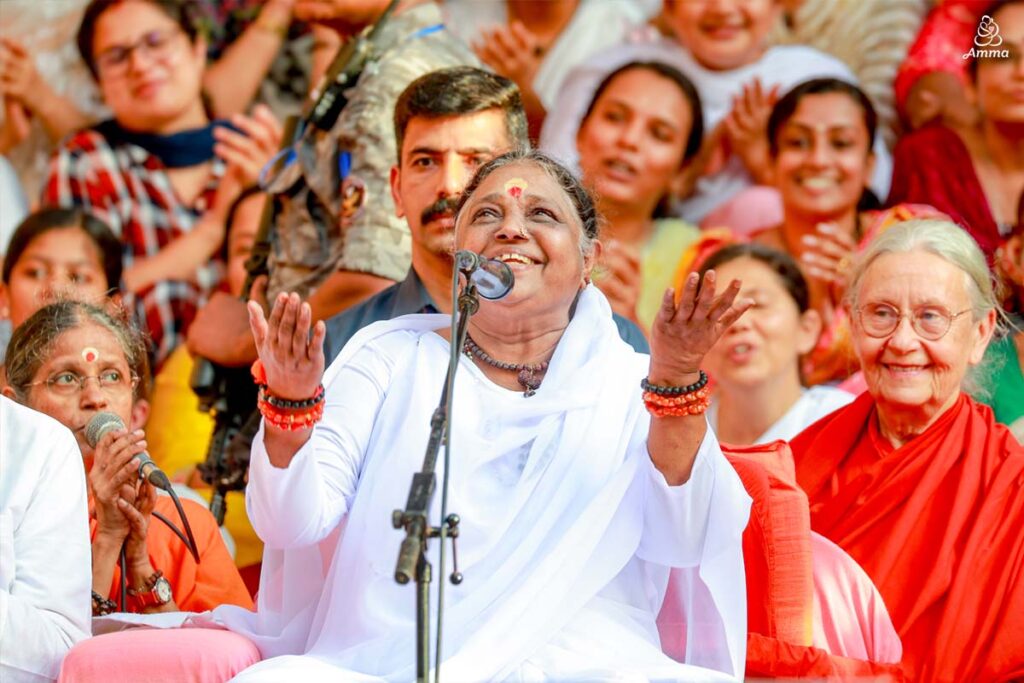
point(72, 360)
point(914, 479)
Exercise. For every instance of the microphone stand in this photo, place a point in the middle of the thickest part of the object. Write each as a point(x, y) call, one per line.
point(412, 555)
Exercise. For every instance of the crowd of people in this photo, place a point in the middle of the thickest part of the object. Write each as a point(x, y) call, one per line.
point(753, 407)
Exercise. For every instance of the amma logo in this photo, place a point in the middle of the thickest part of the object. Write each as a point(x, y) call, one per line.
point(988, 37)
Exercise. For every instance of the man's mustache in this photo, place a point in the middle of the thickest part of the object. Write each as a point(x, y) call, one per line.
point(440, 208)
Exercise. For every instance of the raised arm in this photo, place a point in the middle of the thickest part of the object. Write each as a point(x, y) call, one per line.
point(234, 79)
point(680, 337)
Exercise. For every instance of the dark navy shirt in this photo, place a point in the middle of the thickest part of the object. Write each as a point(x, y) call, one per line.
point(410, 296)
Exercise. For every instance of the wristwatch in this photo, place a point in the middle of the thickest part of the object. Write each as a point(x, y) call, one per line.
point(155, 592)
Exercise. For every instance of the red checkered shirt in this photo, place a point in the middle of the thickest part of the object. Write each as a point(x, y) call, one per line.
point(128, 187)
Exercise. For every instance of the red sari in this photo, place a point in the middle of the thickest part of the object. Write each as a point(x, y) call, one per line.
point(932, 166)
point(938, 524)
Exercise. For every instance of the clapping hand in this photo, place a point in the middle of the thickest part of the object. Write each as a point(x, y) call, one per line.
point(827, 255)
point(292, 359)
point(248, 151)
point(19, 78)
point(746, 128)
point(621, 278)
point(512, 51)
point(683, 332)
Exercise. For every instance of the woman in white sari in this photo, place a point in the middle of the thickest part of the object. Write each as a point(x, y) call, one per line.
point(575, 502)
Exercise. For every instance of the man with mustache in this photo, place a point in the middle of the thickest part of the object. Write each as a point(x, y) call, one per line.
point(448, 123)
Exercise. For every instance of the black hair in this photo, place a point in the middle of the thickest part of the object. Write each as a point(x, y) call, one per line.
point(45, 220)
point(693, 142)
point(784, 109)
point(781, 263)
point(578, 195)
point(458, 91)
point(185, 13)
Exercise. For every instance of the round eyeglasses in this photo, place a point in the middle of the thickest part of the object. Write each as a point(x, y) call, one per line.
point(67, 383)
point(929, 322)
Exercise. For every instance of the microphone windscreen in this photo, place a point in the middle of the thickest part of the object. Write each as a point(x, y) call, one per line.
point(100, 424)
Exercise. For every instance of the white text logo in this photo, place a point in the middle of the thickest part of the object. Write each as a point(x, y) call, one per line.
point(988, 37)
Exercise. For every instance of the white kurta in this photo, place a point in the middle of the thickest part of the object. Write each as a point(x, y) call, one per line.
point(568, 531)
point(783, 65)
point(45, 557)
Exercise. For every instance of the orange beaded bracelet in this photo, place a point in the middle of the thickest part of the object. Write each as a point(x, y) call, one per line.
point(287, 414)
point(695, 402)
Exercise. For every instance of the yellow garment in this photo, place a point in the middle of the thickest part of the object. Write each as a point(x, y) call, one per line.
point(178, 436)
point(658, 264)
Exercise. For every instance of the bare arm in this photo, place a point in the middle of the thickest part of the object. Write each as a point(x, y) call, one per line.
point(180, 259)
point(234, 79)
point(680, 337)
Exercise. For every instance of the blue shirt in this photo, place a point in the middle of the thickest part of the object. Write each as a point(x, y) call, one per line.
point(410, 296)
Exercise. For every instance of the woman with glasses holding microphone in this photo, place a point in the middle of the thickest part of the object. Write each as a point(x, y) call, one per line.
point(73, 360)
point(915, 480)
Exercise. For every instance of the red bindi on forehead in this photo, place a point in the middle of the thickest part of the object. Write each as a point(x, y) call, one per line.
point(515, 186)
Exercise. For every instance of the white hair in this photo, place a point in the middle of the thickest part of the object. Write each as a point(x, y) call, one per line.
point(942, 238)
point(952, 243)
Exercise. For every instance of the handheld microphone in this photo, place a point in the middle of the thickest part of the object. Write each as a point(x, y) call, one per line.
point(493, 279)
point(101, 423)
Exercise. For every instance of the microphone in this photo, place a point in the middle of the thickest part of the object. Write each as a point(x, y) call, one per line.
point(493, 279)
point(104, 422)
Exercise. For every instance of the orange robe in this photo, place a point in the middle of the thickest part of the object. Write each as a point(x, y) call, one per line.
point(196, 587)
point(938, 524)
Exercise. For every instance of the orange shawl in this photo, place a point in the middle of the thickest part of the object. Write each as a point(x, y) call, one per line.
point(938, 524)
point(197, 587)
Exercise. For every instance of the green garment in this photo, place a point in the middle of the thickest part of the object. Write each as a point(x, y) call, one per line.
point(1005, 383)
point(659, 261)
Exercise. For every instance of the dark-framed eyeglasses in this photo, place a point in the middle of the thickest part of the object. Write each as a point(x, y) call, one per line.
point(67, 383)
point(929, 322)
point(155, 44)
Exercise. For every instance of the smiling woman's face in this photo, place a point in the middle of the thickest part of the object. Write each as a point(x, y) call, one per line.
point(87, 350)
point(913, 379)
point(521, 216)
point(723, 34)
point(824, 160)
point(149, 72)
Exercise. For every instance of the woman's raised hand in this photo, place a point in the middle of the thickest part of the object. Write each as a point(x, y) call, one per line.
point(292, 359)
point(683, 333)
